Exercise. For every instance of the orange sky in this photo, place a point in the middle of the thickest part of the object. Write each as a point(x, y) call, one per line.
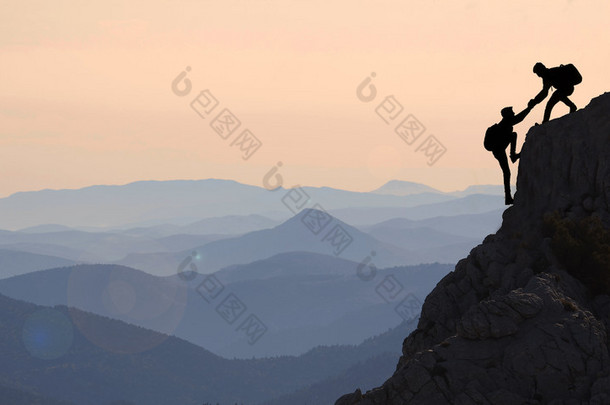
point(86, 98)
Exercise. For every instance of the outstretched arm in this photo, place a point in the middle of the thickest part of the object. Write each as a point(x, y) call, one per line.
point(521, 116)
point(543, 93)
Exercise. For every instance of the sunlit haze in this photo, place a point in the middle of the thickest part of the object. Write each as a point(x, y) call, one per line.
point(86, 91)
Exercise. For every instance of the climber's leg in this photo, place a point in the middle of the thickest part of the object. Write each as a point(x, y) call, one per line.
point(555, 97)
point(501, 156)
point(559, 95)
point(513, 145)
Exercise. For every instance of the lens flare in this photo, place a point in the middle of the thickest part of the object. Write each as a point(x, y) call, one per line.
point(47, 334)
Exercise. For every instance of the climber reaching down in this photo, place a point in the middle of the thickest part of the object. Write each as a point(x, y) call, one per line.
point(563, 78)
point(497, 139)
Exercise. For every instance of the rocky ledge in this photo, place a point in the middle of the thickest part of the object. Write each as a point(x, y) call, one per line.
point(524, 319)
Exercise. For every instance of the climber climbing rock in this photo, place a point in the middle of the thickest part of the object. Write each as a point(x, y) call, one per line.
point(499, 136)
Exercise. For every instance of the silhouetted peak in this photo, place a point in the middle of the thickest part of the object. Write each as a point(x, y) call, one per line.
point(525, 317)
point(309, 213)
point(402, 188)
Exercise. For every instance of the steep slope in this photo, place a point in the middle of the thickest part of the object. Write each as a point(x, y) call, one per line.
point(524, 318)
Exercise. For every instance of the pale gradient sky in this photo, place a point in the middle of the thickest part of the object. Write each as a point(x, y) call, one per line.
point(85, 95)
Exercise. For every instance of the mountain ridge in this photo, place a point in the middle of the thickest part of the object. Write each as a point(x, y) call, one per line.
point(323, 298)
point(302, 232)
point(99, 368)
point(146, 203)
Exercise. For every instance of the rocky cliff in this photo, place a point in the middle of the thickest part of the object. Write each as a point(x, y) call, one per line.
point(525, 318)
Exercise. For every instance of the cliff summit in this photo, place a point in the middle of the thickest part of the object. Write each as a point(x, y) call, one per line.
point(524, 319)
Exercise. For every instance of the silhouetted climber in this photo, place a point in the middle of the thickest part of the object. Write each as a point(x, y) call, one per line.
point(499, 136)
point(563, 78)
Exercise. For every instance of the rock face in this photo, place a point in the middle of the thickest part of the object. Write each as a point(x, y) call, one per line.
point(512, 324)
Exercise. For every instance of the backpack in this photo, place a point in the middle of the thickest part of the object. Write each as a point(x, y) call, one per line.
point(568, 75)
point(493, 137)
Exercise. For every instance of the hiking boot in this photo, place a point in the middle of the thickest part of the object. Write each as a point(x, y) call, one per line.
point(514, 157)
point(508, 200)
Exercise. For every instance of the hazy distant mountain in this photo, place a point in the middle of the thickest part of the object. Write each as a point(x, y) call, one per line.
point(321, 309)
point(470, 226)
point(46, 228)
point(399, 187)
point(321, 303)
point(472, 204)
point(14, 263)
point(226, 225)
point(107, 245)
point(287, 265)
point(97, 247)
point(117, 205)
point(383, 352)
point(364, 375)
point(93, 360)
point(84, 246)
point(109, 290)
point(492, 189)
point(175, 243)
point(173, 371)
point(48, 249)
point(142, 248)
point(178, 202)
point(292, 235)
point(331, 198)
point(152, 231)
point(418, 238)
point(230, 224)
point(297, 336)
